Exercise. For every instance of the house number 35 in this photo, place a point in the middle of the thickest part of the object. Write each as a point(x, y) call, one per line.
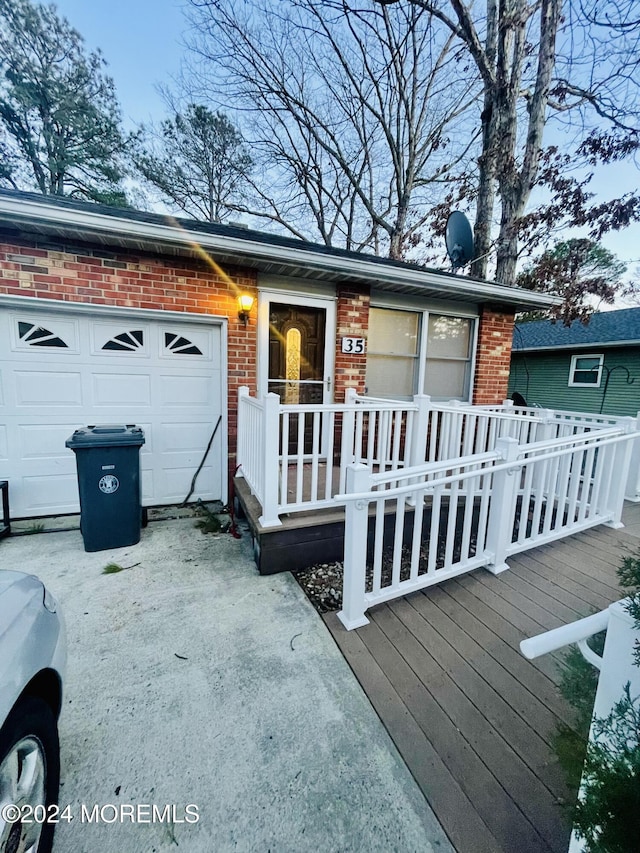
point(354, 346)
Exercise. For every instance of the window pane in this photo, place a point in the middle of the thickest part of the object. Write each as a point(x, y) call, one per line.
point(448, 337)
point(392, 348)
point(446, 379)
point(390, 376)
point(297, 392)
point(586, 377)
point(392, 332)
point(587, 363)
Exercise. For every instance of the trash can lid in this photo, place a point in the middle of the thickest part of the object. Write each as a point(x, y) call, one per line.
point(106, 435)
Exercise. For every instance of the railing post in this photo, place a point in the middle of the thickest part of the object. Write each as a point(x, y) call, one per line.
point(504, 492)
point(350, 395)
point(270, 440)
point(418, 448)
point(633, 480)
point(545, 427)
point(348, 437)
point(356, 525)
point(243, 391)
point(620, 465)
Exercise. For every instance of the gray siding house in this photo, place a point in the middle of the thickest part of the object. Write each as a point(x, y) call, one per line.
point(592, 368)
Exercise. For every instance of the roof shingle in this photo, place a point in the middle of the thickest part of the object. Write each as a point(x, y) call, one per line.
point(606, 327)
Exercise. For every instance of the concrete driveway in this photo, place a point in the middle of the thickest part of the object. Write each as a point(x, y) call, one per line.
point(196, 684)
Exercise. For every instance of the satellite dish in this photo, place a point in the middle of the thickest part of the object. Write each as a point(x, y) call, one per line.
point(459, 239)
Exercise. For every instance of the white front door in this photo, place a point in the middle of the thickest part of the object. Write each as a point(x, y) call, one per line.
point(296, 347)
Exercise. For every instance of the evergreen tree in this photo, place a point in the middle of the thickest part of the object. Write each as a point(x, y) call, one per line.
point(59, 116)
point(197, 161)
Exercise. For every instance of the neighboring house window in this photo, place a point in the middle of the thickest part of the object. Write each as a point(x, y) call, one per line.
point(586, 371)
point(412, 350)
point(448, 363)
point(392, 353)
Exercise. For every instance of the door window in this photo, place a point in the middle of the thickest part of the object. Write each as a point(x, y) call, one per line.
point(296, 353)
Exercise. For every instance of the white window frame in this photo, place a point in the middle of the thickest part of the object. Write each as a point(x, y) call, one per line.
point(473, 344)
point(419, 345)
point(573, 368)
point(423, 332)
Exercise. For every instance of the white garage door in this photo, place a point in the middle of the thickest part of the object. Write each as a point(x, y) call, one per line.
point(60, 370)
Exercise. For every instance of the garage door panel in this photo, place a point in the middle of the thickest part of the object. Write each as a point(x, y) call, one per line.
point(148, 448)
point(40, 492)
point(178, 437)
point(121, 389)
point(190, 345)
point(176, 482)
point(4, 443)
point(2, 396)
point(112, 339)
point(32, 331)
point(48, 388)
point(44, 441)
point(184, 390)
point(147, 487)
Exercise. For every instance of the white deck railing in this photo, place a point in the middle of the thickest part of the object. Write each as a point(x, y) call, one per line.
point(253, 446)
point(295, 458)
point(617, 664)
point(408, 529)
point(580, 422)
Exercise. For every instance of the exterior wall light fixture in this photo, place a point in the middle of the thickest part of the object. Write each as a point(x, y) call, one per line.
point(245, 304)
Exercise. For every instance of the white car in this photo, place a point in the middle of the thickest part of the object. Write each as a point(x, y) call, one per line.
point(32, 663)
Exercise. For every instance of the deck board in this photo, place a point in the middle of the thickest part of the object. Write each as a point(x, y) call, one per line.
point(472, 717)
point(430, 772)
point(455, 654)
point(490, 800)
point(591, 592)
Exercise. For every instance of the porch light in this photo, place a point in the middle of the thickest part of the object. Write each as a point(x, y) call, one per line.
point(245, 304)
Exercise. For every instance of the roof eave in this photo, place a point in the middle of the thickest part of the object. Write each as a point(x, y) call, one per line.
point(119, 230)
point(581, 345)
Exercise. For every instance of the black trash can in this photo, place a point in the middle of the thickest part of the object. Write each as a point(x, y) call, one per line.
point(107, 458)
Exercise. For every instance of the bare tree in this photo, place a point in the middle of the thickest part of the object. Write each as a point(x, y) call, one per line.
point(197, 161)
point(533, 62)
point(360, 115)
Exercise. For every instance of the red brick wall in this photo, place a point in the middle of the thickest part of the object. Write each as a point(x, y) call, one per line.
point(135, 280)
point(494, 354)
point(352, 321)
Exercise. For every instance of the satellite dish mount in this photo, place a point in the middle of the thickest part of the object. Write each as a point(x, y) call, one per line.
point(459, 239)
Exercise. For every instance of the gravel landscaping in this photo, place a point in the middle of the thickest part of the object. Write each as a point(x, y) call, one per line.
point(322, 585)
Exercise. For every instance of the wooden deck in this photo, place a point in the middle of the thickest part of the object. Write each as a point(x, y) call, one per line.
point(472, 717)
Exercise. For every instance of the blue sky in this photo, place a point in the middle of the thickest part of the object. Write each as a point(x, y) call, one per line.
point(141, 41)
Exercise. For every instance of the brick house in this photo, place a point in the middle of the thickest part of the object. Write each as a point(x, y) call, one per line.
point(113, 315)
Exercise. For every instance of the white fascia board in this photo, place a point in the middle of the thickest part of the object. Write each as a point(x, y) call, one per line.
point(27, 210)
